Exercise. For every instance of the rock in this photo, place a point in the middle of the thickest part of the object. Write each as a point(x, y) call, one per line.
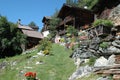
point(86, 60)
point(113, 49)
point(114, 15)
point(3, 65)
point(116, 77)
point(35, 56)
point(104, 78)
point(82, 53)
point(111, 60)
point(117, 36)
point(94, 44)
point(86, 55)
point(78, 62)
point(82, 71)
point(39, 62)
point(41, 53)
point(101, 62)
point(116, 43)
point(75, 75)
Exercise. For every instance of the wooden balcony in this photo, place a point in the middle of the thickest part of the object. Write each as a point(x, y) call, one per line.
point(66, 20)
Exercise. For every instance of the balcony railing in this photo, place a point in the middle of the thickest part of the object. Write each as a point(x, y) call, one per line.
point(66, 20)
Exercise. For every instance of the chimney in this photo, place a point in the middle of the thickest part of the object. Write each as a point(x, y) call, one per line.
point(19, 22)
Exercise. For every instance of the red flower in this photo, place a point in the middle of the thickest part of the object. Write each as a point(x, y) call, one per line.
point(30, 74)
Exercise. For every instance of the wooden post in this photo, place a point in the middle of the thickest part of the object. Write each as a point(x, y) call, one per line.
point(74, 22)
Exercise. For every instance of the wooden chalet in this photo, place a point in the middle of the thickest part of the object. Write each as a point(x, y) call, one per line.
point(103, 8)
point(74, 16)
point(33, 37)
point(46, 21)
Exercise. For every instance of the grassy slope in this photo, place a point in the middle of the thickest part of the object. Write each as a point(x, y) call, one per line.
point(57, 66)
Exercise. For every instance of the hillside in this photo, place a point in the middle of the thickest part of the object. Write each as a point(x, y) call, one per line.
point(57, 66)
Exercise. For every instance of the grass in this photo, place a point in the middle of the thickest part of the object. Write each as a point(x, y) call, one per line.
point(57, 66)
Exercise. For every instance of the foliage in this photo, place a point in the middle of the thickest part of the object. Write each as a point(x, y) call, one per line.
point(71, 30)
point(53, 24)
point(46, 52)
point(32, 24)
point(82, 3)
point(72, 2)
point(45, 45)
point(104, 45)
point(88, 3)
point(62, 40)
point(68, 34)
point(92, 61)
point(103, 22)
point(11, 38)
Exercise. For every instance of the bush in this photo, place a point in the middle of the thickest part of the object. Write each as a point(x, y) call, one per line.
point(92, 61)
point(62, 40)
point(107, 23)
point(71, 31)
point(46, 52)
point(45, 45)
point(104, 45)
point(11, 38)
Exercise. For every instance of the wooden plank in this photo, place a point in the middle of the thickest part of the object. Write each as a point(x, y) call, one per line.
point(108, 72)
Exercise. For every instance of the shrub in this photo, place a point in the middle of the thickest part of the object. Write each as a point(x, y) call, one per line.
point(62, 40)
point(71, 30)
point(45, 45)
point(104, 45)
point(68, 34)
point(107, 23)
point(46, 52)
point(11, 38)
point(92, 61)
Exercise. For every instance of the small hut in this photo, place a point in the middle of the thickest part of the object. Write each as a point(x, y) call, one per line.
point(33, 37)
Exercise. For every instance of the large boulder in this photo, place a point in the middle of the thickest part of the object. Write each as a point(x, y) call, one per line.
point(111, 60)
point(82, 71)
point(100, 62)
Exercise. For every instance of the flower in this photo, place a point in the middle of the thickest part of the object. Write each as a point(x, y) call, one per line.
point(30, 75)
